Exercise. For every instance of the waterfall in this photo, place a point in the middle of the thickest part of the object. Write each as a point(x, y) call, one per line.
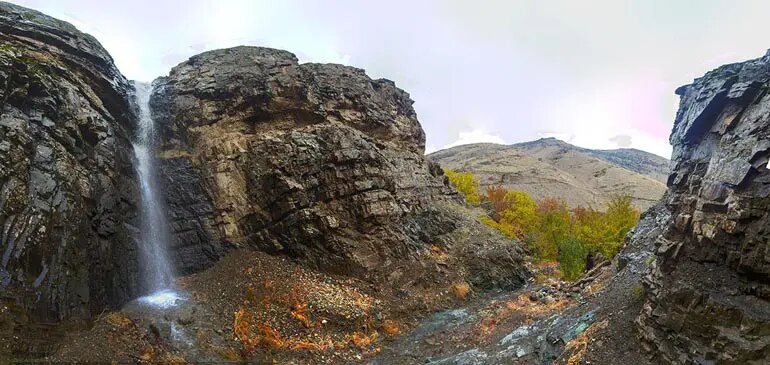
point(153, 237)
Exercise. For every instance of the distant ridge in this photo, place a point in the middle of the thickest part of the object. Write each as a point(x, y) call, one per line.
point(551, 167)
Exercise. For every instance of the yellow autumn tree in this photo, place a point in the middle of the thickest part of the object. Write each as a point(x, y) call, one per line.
point(521, 215)
point(466, 183)
point(621, 217)
point(554, 232)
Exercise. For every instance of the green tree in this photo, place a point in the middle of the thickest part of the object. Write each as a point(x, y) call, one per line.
point(553, 226)
point(572, 258)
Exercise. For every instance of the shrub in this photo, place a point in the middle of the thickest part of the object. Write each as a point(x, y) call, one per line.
point(555, 233)
point(572, 258)
point(605, 232)
point(621, 217)
point(521, 216)
point(553, 226)
point(461, 290)
point(466, 183)
point(637, 291)
point(505, 229)
point(391, 327)
point(497, 196)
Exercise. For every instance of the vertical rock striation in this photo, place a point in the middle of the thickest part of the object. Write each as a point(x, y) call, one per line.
point(67, 191)
point(709, 291)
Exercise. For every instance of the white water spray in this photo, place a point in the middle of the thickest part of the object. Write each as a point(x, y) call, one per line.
point(156, 270)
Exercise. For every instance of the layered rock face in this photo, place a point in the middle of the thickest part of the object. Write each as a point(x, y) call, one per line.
point(67, 186)
point(709, 291)
point(314, 160)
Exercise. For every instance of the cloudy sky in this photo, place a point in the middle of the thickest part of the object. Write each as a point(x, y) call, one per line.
point(598, 74)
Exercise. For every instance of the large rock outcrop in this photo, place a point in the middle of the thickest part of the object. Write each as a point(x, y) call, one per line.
point(709, 290)
point(317, 161)
point(67, 191)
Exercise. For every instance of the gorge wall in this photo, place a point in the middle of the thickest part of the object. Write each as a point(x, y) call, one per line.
point(317, 161)
point(67, 186)
point(709, 290)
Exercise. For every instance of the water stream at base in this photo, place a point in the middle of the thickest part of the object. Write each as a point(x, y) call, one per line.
point(157, 274)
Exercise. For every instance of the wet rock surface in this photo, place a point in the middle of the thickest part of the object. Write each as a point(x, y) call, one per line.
point(708, 292)
point(67, 191)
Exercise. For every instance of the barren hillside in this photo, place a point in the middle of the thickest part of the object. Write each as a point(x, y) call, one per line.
point(550, 167)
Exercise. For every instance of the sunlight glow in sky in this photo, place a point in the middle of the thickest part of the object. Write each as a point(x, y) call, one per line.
point(598, 74)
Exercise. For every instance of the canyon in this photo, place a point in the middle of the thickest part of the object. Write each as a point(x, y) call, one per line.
point(306, 225)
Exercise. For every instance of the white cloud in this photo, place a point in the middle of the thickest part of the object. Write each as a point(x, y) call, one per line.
point(622, 140)
point(475, 136)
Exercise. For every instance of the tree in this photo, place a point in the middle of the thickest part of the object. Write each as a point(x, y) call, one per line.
point(621, 217)
point(572, 258)
point(557, 234)
point(497, 196)
point(521, 215)
point(466, 183)
point(554, 226)
point(605, 232)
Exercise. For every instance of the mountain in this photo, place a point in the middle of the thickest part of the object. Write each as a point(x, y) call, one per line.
point(549, 167)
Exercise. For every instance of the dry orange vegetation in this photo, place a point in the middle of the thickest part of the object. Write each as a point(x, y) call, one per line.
point(267, 303)
point(390, 327)
point(577, 348)
point(461, 290)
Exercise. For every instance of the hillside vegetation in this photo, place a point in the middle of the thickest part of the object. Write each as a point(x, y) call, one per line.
point(576, 238)
point(553, 168)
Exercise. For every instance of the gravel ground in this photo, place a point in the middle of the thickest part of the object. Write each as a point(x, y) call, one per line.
point(261, 308)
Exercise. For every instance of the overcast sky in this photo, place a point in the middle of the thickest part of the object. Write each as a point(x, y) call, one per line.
point(598, 74)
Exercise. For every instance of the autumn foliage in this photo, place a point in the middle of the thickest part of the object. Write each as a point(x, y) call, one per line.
point(466, 183)
point(552, 230)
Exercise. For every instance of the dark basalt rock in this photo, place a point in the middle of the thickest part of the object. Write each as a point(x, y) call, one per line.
point(317, 161)
point(67, 192)
point(709, 290)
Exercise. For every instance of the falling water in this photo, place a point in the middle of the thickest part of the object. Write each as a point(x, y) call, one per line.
point(156, 271)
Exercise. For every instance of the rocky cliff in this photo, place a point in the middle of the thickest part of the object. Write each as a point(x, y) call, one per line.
point(67, 191)
point(708, 295)
point(317, 161)
point(316, 164)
